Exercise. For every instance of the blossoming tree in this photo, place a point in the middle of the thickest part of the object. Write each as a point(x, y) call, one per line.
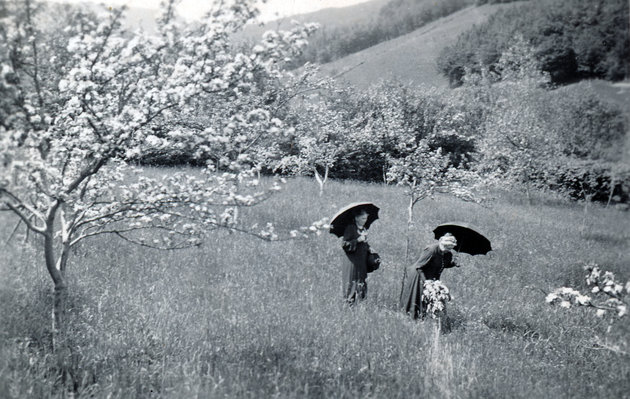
point(86, 99)
point(320, 130)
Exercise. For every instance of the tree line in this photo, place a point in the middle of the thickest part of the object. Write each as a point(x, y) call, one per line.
point(504, 126)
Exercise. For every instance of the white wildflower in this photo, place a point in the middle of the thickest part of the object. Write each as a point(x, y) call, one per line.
point(582, 300)
point(600, 313)
point(551, 297)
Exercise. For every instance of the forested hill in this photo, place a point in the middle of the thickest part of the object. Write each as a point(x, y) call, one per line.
point(411, 57)
point(571, 40)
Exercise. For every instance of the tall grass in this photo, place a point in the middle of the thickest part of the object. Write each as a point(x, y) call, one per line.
point(239, 317)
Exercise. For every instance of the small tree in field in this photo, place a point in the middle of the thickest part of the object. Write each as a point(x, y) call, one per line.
point(87, 99)
point(425, 172)
point(319, 130)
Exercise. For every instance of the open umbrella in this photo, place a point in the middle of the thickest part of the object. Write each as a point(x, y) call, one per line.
point(469, 239)
point(345, 216)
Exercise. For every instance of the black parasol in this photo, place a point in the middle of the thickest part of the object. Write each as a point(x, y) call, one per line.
point(345, 216)
point(469, 239)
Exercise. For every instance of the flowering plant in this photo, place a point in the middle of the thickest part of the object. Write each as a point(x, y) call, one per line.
point(434, 297)
point(609, 294)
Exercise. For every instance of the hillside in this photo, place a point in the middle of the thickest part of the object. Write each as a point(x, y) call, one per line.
point(411, 57)
point(329, 17)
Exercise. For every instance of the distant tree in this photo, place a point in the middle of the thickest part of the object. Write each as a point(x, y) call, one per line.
point(318, 134)
point(516, 143)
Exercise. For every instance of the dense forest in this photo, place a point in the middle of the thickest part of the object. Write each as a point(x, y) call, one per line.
point(573, 39)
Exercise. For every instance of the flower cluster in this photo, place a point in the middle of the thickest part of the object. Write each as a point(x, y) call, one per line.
point(604, 282)
point(434, 297)
point(611, 293)
point(315, 228)
point(565, 296)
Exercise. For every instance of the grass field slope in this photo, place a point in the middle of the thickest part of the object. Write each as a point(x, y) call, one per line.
point(412, 57)
point(243, 318)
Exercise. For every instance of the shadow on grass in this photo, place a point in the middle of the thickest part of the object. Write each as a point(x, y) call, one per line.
point(606, 238)
point(511, 326)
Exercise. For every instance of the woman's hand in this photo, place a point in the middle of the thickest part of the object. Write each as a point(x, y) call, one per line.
point(455, 261)
point(362, 237)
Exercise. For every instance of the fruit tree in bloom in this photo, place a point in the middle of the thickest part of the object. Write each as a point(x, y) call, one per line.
point(82, 98)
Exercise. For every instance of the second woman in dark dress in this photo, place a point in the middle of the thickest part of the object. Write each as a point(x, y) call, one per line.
point(354, 266)
point(434, 259)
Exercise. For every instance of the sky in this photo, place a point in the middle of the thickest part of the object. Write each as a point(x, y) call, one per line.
point(273, 9)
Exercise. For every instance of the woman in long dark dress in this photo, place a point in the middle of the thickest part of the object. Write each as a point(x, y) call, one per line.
point(434, 259)
point(354, 265)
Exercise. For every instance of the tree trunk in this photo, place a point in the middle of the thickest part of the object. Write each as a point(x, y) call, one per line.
point(529, 194)
point(321, 180)
point(407, 244)
point(587, 200)
point(612, 189)
point(60, 287)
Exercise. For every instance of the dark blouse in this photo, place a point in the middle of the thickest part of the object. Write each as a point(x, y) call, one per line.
point(356, 253)
point(433, 261)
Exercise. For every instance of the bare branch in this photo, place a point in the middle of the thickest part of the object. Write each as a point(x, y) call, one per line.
point(16, 208)
point(26, 220)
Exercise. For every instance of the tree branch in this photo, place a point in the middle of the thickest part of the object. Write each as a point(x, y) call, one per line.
point(16, 209)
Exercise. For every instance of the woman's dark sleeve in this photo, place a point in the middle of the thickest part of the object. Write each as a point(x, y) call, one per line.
point(424, 258)
point(350, 236)
point(451, 263)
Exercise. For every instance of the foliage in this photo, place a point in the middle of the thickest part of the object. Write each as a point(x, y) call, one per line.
point(566, 140)
point(319, 132)
point(573, 40)
point(425, 172)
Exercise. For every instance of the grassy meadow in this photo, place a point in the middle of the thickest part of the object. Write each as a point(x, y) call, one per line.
point(240, 317)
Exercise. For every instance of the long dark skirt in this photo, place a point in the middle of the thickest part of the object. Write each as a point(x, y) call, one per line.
point(411, 300)
point(354, 282)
